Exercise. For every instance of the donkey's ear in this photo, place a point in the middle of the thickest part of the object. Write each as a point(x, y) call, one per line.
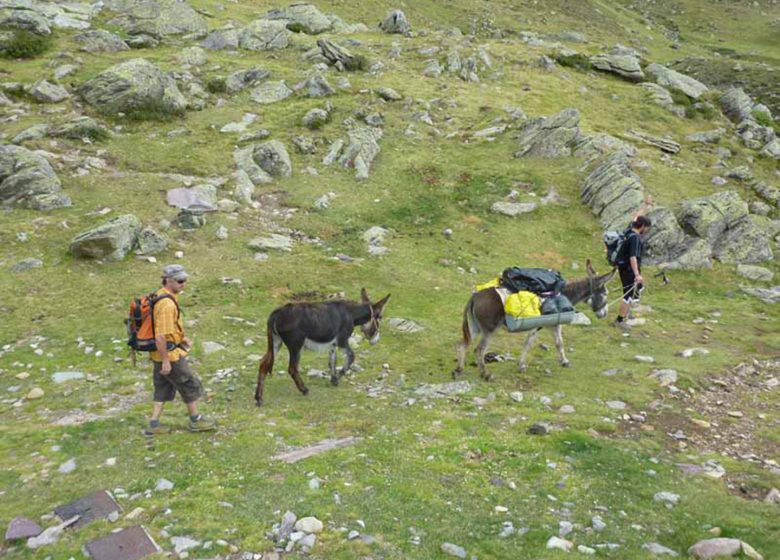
point(381, 303)
point(364, 296)
point(610, 275)
point(589, 268)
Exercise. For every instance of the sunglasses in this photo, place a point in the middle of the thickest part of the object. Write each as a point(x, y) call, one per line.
point(181, 281)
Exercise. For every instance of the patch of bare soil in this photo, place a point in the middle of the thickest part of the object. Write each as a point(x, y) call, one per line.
point(732, 415)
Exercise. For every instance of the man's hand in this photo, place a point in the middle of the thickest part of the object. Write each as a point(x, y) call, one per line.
point(166, 367)
point(186, 343)
point(639, 279)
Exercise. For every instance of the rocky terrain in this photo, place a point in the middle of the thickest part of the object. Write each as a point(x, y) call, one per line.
point(303, 151)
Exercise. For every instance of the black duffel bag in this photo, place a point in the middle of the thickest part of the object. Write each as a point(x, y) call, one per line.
point(536, 280)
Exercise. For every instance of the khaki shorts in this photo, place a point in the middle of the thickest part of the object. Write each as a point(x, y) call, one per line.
point(180, 379)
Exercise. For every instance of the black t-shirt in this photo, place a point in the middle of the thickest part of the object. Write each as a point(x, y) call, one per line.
point(632, 247)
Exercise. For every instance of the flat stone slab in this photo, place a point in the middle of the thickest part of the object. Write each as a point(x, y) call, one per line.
point(63, 376)
point(316, 449)
point(128, 544)
point(95, 506)
point(22, 528)
point(443, 389)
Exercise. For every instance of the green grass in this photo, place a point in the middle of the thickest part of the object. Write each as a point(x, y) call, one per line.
point(24, 44)
point(434, 469)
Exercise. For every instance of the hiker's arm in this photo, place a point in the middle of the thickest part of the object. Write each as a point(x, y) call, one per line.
point(646, 204)
point(162, 348)
point(635, 267)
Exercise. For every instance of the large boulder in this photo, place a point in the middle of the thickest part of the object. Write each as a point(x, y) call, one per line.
point(110, 241)
point(613, 191)
point(302, 18)
point(550, 137)
point(624, 65)
point(361, 150)
point(395, 22)
point(667, 245)
point(27, 180)
point(24, 15)
point(156, 17)
point(746, 243)
point(669, 78)
point(135, 86)
point(709, 217)
point(265, 35)
point(99, 40)
point(270, 92)
point(262, 162)
point(737, 105)
point(221, 39)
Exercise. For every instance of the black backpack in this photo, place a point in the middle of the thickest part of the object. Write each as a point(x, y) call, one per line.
point(614, 242)
point(536, 280)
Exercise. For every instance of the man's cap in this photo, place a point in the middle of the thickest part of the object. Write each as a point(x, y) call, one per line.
point(175, 271)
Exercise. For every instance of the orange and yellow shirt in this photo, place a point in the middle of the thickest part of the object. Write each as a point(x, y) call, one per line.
point(168, 321)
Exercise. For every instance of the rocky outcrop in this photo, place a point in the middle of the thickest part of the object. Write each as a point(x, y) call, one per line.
point(737, 105)
point(24, 15)
point(262, 162)
point(395, 22)
point(28, 181)
point(301, 18)
point(136, 86)
point(265, 35)
point(242, 79)
point(626, 66)
point(550, 137)
point(270, 92)
point(336, 55)
point(361, 149)
point(99, 40)
point(672, 79)
point(661, 96)
point(110, 241)
point(221, 39)
point(157, 18)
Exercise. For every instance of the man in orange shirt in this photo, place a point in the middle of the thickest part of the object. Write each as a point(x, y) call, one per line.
point(172, 372)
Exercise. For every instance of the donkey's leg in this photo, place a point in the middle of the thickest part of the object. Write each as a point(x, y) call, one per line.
point(481, 349)
point(522, 365)
point(295, 358)
point(463, 348)
point(557, 330)
point(332, 366)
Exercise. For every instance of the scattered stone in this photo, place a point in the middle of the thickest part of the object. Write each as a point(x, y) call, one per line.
point(755, 273)
point(404, 325)
point(708, 137)
point(773, 496)
point(388, 94)
point(664, 144)
point(395, 22)
point(551, 137)
point(211, 347)
point(582, 549)
point(63, 376)
point(99, 40)
point(675, 80)
point(668, 498)
point(274, 241)
point(301, 18)
point(163, 485)
point(624, 65)
point(512, 209)
point(22, 528)
point(316, 118)
point(516, 396)
point(361, 150)
point(265, 35)
point(221, 39)
point(270, 92)
point(598, 524)
point(539, 429)
point(309, 525)
point(35, 393)
point(644, 359)
point(767, 295)
point(658, 549)
point(713, 548)
point(182, 544)
point(46, 92)
point(690, 352)
point(50, 535)
point(132, 543)
point(616, 405)
point(559, 544)
point(317, 86)
point(157, 18)
point(665, 377)
point(28, 180)
point(453, 550)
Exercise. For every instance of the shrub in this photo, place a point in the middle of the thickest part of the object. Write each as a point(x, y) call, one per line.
point(216, 85)
point(24, 44)
point(357, 63)
point(151, 111)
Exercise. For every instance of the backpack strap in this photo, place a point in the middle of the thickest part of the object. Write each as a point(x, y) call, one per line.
point(154, 298)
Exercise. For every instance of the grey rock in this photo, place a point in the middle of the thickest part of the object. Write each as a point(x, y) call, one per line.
point(317, 86)
point(157, 18)
point(759, 208)
point(333, 151)
point(301, 18)
point(550, 137)
point(557, 543)
point(221, 40)
point(190, 219)
point(200, 198)
point(665, 377)
point(80, 127)
point(539, 428)
point(242, 79)
point(315, 118)
point(624, 65)
point(64, 70)
point(69, 375)
point(512, 209)
point(67, 467)
point(598, 144)
point(274, 241)
point(309, 525)
point(767, 295)
point(286, 527)
point(50, 535)
point(388, 94)
point(661, 96)
point(163, 484)
point(756, 273)
point(668, 498)
point(304, 144)
point(707, 137)
point(336, 55)
point(194, 56)
point(767, 192)
point(438, 390)
point(772, 149)
point(264, 35)
point(272, 157)
point(664, 144)
point(453, 550)
point(395, 22)
point(772, 497)
point(27, 264)
point(110, 241)
point(35, 132)
point(710, 217)
point(182, 544)
point(361, 150)
point(270, 92)
point(616, 405)
point(47, 92)
point(658, 549)
point(668, 78)
point(27, 180)
point(132, 87)
point(404, 325)
point(737, 105)
point(211, 347)
point(99, 40)
point(142, 41)
point(714, 548)
point(25, 16)
point(150, 242)
point(22, 528)
point(432, 68)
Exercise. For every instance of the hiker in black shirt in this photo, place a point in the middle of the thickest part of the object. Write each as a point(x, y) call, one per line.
point(630, 267)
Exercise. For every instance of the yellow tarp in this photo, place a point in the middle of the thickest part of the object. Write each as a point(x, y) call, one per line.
point(523, 304)
point(487, 285)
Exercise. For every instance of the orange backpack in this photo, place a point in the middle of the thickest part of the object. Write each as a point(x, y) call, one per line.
point(140, 322)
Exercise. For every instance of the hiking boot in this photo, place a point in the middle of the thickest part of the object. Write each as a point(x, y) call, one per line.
point(158, 430)
point(202, 424)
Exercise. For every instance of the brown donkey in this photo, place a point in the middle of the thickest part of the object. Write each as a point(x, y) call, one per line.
point(318, 326)
point(484, 314)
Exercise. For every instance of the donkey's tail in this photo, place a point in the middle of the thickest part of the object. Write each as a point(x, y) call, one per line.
point(469, 328)
point(267, 363)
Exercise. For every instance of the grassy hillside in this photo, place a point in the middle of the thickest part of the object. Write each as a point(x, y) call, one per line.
point(425, 471)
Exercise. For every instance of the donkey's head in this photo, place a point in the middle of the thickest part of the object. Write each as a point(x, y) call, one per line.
point(597, 285)
point(371, 327)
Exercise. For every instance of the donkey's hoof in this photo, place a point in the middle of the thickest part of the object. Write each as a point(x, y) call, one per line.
point(522, 368)
point(258, 402)
point(457, 372)
point(305, 391)
point(565, 363)
point(334, 380)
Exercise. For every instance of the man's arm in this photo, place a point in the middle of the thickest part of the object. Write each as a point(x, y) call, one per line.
point(162, 349)
point(646, 204)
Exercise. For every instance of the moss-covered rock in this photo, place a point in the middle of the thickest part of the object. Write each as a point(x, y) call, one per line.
point(27, 180)
point(110, 241)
